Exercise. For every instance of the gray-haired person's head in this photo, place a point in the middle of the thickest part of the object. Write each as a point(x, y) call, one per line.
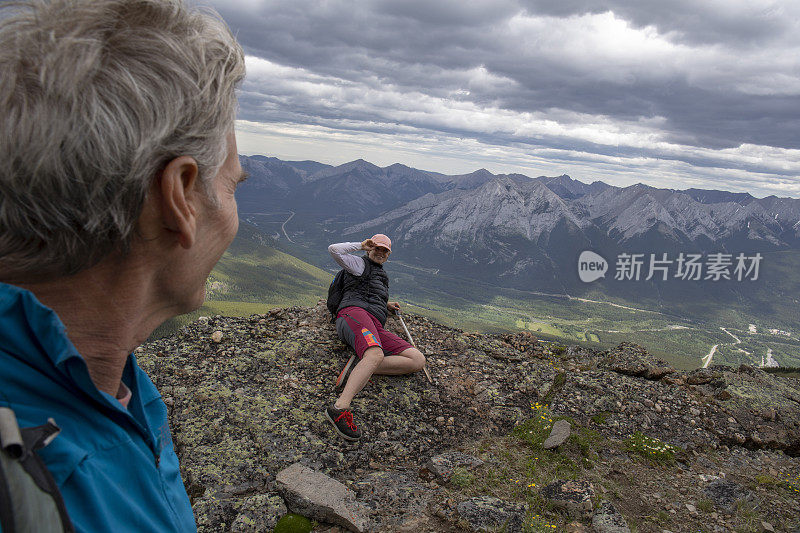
point(96, 96)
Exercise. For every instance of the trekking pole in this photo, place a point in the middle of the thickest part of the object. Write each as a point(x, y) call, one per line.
point(424, 367)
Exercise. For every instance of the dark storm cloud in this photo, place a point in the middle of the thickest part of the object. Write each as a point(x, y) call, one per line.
point(695, 116)
point(649, 77)
point(356, 41)
point(732, 22)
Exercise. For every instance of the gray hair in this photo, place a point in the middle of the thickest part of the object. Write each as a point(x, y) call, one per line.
point(96, 97)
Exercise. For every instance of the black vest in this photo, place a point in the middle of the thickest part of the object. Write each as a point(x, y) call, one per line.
point(369, 291)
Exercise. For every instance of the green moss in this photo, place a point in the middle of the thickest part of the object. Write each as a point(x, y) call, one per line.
point(765, 479)
point(293, 523)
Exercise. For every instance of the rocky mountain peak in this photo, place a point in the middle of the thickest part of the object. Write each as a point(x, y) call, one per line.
point(471, 180)
point(400, 169)
point(359, 165)
point(245, 399)
point(705, 196)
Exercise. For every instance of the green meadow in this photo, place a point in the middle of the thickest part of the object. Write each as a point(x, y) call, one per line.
point(253, 277)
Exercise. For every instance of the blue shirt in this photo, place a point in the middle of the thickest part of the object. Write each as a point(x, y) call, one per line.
point(116, 467)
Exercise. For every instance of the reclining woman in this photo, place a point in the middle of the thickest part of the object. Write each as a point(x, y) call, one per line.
point(360, 322)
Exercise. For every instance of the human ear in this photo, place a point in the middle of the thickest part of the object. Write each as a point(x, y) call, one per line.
point(178, 184)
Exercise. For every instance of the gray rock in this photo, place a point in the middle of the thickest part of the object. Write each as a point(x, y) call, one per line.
point(315, 495)
point(657, 372)
point(544, 390)
point(210, 511)
point(259, 513)
point(632, 360)
point(700, 376)
point(574, 497)
point(404, 489)
point(442, 466)
point(724, 494)
point(607, 402)
point(722, 395)
point(558, 435)
point(607, 519)
point(485, 513)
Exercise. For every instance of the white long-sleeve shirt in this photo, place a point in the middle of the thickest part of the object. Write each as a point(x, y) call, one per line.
point(342, 254)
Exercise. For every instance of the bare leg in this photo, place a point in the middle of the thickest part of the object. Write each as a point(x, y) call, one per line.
point(374, 362)
point(408, 361)
point(370, 361)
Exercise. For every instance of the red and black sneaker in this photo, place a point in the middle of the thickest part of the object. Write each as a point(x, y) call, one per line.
point(342, 420)
point(345, 373)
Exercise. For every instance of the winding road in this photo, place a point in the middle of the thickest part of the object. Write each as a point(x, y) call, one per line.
point(710, 356)
point(283, 224)
point(707, 358)
point(283, 227)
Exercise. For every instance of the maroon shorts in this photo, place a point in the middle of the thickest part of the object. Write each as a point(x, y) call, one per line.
point(361, 330)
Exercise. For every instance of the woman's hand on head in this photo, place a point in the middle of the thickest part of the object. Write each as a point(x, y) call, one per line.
point(368, 245)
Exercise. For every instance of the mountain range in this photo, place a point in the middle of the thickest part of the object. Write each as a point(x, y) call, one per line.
point(696, 216)
point(513, 227)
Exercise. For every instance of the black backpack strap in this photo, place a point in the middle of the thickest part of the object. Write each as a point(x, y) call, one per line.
point(33, 481)
point(335, 294)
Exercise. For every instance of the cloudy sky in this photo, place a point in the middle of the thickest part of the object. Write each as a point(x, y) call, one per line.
point(672, 93)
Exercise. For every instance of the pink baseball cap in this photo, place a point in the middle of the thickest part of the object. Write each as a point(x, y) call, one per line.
point(382, 240)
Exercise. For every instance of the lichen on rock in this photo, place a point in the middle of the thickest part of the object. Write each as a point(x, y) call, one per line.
point(244, 408)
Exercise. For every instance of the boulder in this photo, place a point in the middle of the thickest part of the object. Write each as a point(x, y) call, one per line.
point(722, 395)
point(633, 360)
point(701, 376)
point(402, 487)
point(726, 493)
point(607, 519)
point(315, 495)
point(657, 372)
point(558, 435)
point(485, 513)
point(574, 497)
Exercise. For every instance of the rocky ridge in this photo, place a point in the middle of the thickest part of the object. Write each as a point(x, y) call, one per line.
point(246, 395)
